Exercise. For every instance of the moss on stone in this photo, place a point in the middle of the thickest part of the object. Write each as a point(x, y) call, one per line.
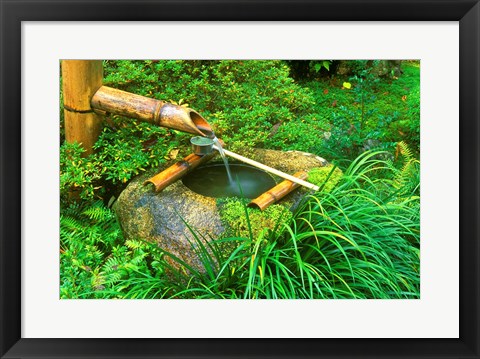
point(319, 175)
point(234, 218)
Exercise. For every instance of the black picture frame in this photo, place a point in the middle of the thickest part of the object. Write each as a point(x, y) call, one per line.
point(13, 12)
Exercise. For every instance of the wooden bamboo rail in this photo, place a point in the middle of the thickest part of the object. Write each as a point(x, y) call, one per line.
point(278, 192)
point(80, 80)
point(177, 171)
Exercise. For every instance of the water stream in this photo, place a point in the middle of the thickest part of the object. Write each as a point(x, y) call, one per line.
point(224, 158)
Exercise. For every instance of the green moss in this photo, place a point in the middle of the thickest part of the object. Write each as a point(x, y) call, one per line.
point(234, 218)
point(319, 175)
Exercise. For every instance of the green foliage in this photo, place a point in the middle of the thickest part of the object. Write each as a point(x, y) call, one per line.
point(412, 124)
point(122, 151)
point(355, 128)
point(77, 174)
point(325, 177)
point(242, 100)
point(307, 69)
point(305, 134)
point(407, 177)
point(243, 221)
point(131, 148)
point(409, 125)
point(374, 113)
point(86, 235)
point(318, 65)
point(95, 258)
point(363, 237)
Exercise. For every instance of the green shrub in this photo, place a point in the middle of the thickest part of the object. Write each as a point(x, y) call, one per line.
point(122, 151)
point(87, 234)
point(325, 177)
point(409, 126)
point(242, 100)
point(303, 134)
point(131, 148)
point(78, 174)
point(369, 112)
point(96, 261)
point(243, 221)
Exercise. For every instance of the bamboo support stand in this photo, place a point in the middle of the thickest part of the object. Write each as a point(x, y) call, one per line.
point(270, 169)
point(278, 192)
point(177, 171)
point(80, 80)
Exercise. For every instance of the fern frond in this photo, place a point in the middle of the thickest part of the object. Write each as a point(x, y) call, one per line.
point(70, 224)
point(98, 212)
point(405, 151)
point(407, 177)
point(111, 264)
point(134, 244)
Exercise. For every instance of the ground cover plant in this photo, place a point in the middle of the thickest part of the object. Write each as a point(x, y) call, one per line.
point(358, 237)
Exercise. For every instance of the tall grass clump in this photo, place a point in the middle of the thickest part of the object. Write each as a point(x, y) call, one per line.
point(358, 240)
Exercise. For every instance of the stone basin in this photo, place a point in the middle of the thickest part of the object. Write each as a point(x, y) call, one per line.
point(162, 217)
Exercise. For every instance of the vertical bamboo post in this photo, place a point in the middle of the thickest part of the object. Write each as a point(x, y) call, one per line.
point(80, 80)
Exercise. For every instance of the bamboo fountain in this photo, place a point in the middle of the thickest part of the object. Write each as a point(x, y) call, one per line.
point(87, 101)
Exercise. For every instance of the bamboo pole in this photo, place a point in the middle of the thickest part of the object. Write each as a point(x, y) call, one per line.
point(80, 80)
point(177, 171)
point(108, 100)
point(269, 169)
point(278, 192)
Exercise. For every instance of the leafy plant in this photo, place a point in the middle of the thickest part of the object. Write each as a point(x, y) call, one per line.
point(326, 177)
point(242, 221)
point(407, 178)
point(86, 235)
point(123, 150)
point(78, 174)
point(321, 64)
point(307, 69)
point(95, 258)
point(303, 134)
point(368, 124)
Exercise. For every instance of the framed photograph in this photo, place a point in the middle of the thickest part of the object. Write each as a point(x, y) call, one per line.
point(364, 268)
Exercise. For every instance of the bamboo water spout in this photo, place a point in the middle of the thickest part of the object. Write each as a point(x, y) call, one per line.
point(108, 100)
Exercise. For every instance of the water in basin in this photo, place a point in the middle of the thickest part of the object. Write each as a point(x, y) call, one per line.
point(212, 181)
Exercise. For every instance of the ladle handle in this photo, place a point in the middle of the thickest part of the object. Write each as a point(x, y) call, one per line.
point(270, 169)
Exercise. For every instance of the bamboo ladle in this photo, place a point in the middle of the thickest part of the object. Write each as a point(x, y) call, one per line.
point(269, 169)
